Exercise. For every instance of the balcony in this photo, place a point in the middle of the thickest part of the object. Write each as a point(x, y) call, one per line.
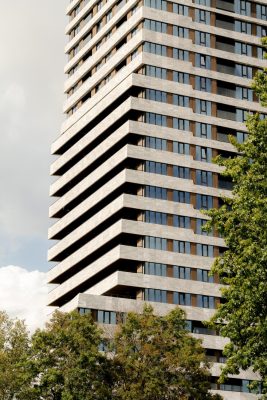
point(225, 23)
point(226, 91)
point(225, 45)
point(227, 5)
point(226, 67)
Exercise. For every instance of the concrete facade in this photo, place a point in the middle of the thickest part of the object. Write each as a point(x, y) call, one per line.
point(153, 88)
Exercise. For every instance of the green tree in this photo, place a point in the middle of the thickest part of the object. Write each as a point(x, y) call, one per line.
point(242, 221)
point(156, 359)
point(65, 361)
point(14, 350)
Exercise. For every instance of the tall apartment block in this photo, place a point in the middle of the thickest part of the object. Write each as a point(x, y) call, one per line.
point(154, 88)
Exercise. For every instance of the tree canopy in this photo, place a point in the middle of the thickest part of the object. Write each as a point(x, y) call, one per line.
point(151, 357)
point(157, 359)
point(65, 360)
point(242, 222)
point(14, 352)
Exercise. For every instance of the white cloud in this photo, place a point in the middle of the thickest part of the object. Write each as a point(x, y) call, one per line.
point(23, 294)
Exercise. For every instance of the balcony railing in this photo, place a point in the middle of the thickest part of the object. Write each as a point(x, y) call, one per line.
point(225, 5)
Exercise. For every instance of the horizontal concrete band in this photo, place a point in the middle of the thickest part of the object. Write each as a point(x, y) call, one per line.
point(123, 201)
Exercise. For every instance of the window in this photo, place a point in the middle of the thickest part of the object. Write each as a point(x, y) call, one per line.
point(202, 16)
point(180, 246)
point(244, 93)
point(243, 7)
point(106, 317)
point(204, 202)
point(181, 172)
point(204, 178)
point(202, 61)
point(203, 275)
point(156, 217)
point(155, 119)
point(203, 2)
point(183, 299)
point(204, 250)
point(156, 167)
point(261, 31)
point(243, 49)
point(181, 148)
point(180, 54)
point(156, 72)
point(109, 15)
point(155, 49)
point(199, 231)
point(181, 197)
point(244, 71)
point(203, 130)
point(182, 101)
point(156, 95)
point(180, 77)
point(202, 38)
point(241, 115)
point(261, 11)
point(180, 221)
point(180, 9)
point(158, 4)
point(203, 84)
point(156, 192)
point(157, 295)
point(243, 27)
point(181, 272)
point(155, 143)
point(155, 269)
point(180, 31)
point(156, 243)
point(261, 52)
point(203, 154)
point(241, 137)
point(203, 107)
point(155, 26)
point(205, 301)
point(181, 124)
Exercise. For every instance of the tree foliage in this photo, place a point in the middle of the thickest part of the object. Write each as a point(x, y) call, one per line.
point(242, 221)
point(66, 363)
point(14, 351)
point(156, 359)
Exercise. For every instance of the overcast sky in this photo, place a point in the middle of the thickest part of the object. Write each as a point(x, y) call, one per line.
point(31, 97)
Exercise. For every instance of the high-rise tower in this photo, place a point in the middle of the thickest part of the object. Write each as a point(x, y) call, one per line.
point(154, 87)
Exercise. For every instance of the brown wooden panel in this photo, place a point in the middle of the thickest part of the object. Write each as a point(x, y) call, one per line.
point(213, 64)
point(169, 245)
point(169, 297)
point(193, 224)
point(170, 145)
point(169, 271)
point(194, 300)
point(169, 194)
point(193, 151)
point(169, 122)
point(193, 274)
point(193, 248)
point(192, 81)
point(169, 29)
point(193, 175)
point(215, 180)
point(193, 198)
point(214, 132)
point(169, 98)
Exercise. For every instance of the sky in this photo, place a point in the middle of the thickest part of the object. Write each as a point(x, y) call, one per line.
point(32, 44)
